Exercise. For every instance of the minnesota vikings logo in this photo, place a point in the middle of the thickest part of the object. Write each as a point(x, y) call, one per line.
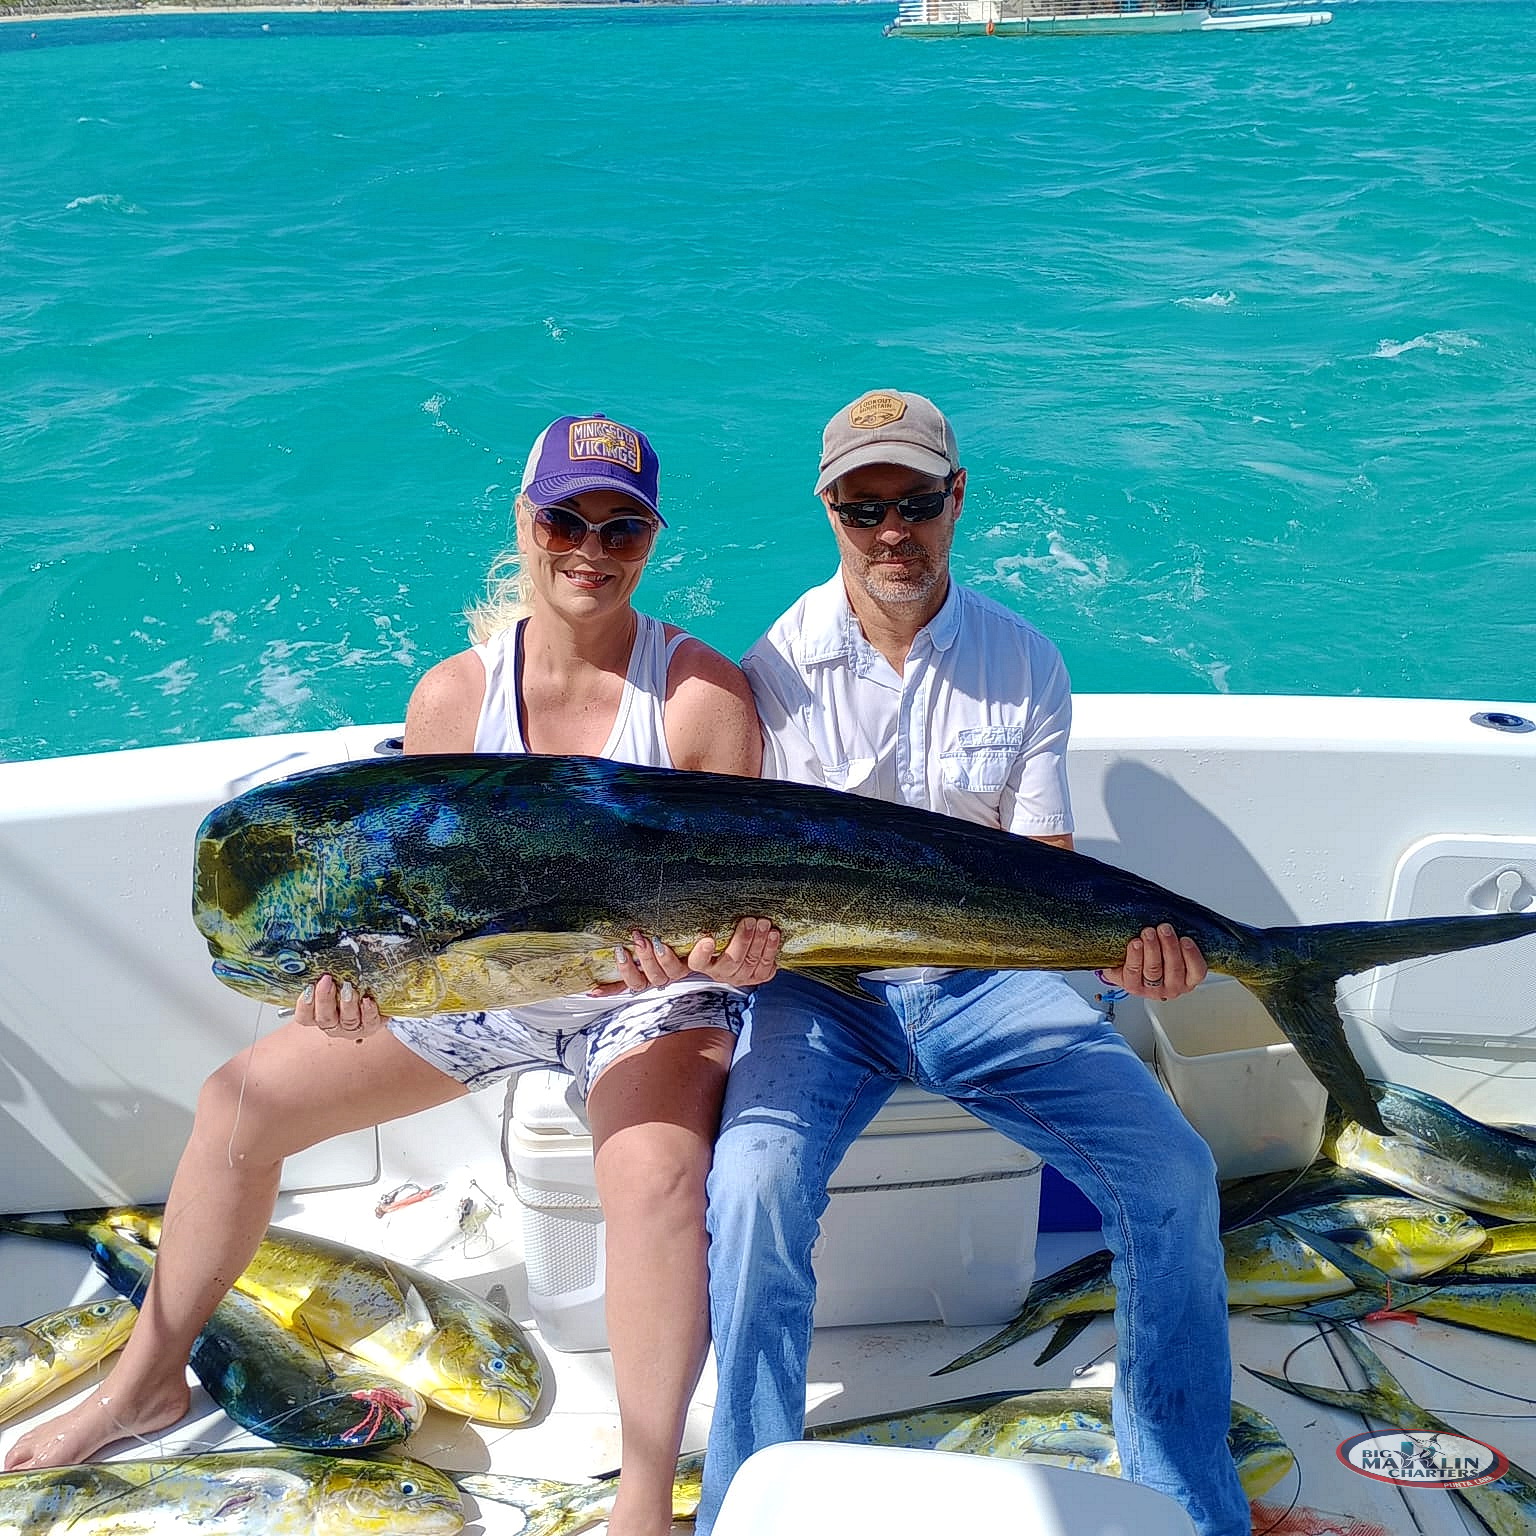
point(595, 437)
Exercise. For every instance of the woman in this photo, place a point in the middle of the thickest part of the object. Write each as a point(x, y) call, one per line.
point(563, 664)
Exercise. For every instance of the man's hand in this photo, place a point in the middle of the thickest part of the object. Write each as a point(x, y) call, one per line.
point(1159, 964)
point(750, 957)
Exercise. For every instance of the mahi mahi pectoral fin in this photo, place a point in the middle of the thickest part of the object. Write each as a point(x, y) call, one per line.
point(505, 969)
point(19, 1343)
point(840, 978)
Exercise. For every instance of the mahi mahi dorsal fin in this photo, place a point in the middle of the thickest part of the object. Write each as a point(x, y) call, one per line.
point(841, 978)
point(418, 1313)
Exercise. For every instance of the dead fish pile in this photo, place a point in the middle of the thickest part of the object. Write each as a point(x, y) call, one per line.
point(456, 1350)
point(40, 1356)
point(232, 1493)
point(323, 1347)
point(270, 1380)
point(1439, 1153)
point(1269, 1262)
point(1070, 1427)
point(1490, 1304)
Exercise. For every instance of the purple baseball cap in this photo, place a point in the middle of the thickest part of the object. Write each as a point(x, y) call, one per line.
point(591, 453)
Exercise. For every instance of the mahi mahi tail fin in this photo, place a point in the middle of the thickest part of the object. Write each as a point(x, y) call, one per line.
point(1071, 1297)
point(1382, 1398)
point(548, 1508)
point(72, 1229)
point(1066, 1332)
point(1305, 964)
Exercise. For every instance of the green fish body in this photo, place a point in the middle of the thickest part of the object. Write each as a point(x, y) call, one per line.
point(1507, 1507)
point(40, 1356)
point(1509, 1254)
point(1436, 1151)
point(275, 1382)
point(232, 1493)
point(1491, 1304)
point(1267, 1264)
point(444, 1342)
point(1278, 1194)
point(485, 880)
point(1069, 1428)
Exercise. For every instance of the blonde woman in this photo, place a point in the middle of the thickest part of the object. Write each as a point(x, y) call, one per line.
point(563, 663)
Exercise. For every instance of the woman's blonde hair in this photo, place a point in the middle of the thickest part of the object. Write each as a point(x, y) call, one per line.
point(508, 593)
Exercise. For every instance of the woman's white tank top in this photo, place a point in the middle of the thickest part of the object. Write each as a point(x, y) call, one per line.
point(639, 734)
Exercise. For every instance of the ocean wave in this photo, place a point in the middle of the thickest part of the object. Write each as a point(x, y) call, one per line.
point(112, 200)
point(1060, 561)
point(1444, 343)
point(176, 678)
point(1210, 301)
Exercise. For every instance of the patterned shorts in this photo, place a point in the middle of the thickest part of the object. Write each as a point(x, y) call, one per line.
point(483, 1048)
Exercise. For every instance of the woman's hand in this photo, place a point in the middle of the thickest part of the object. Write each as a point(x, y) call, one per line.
point(749, 958)
point(1159, 964)
point(341, 1012)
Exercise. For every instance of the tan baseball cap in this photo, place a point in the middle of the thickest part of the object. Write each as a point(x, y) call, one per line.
point(888, 426)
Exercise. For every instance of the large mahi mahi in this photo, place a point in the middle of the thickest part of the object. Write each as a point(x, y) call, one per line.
point(471, 881)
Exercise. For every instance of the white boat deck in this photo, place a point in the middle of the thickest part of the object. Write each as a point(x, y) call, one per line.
point(853, 1370)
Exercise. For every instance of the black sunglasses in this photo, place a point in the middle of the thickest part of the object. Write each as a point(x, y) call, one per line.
point(921, 507)
point(562, 529)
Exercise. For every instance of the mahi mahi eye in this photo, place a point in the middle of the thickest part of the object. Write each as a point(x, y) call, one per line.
point(408, 1489)
point(101, 1309)
point(290, 962)
point(497, 1366)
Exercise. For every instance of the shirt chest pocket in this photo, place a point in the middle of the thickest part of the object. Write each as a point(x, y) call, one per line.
point(852, 776)
point(982, 758)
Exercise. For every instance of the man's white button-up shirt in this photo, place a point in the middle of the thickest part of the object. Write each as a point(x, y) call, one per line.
point(974, 726)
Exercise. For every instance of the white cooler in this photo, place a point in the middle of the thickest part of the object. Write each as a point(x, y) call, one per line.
point(932, 1217)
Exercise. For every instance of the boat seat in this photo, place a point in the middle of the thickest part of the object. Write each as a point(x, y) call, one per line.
point(809, 1487)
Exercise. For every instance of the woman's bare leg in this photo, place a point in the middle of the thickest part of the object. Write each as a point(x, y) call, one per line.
point(292, 1089)
point(654, 1113)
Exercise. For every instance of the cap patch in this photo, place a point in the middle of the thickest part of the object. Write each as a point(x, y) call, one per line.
point(596, 438)
point(875, 411)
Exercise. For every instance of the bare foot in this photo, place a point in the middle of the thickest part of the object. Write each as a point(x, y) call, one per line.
point(650, 1519)
point(77, 1435)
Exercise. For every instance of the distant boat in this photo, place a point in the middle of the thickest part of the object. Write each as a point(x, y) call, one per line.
point(1027, 18)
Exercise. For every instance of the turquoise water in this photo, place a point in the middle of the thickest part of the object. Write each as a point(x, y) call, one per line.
point(1238, 333)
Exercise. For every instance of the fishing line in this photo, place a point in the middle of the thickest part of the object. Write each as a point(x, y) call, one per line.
point(1465, 1381)
point(132, 1487)
point(245, 1072)
point(1326, 1325)
point(1289, 1509)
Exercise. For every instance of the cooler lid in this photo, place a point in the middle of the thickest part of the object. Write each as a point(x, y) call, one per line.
point(1477, 1000)
point(545, 1102)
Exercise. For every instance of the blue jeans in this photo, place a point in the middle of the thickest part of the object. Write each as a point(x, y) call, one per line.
point(1025, 1053)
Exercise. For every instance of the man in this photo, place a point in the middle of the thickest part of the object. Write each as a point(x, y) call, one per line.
point(893, 681)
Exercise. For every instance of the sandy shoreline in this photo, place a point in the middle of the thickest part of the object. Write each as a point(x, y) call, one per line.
point(266, 8)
